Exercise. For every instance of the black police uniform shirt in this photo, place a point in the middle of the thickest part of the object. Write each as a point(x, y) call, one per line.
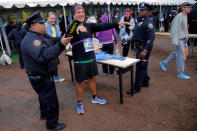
point(78, 50)
point(144, 32)
point(40, 53)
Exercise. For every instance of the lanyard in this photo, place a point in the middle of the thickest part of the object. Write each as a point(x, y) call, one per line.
point(79, 42)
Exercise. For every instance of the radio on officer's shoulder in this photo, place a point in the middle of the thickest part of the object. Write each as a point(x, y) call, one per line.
point(72, 28)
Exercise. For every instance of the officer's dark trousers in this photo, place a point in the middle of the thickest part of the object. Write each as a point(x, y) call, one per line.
point(141, 71)
point(49, 105)
point(109, 49)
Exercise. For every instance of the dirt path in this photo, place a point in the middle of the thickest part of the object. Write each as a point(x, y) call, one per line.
point(170, 104)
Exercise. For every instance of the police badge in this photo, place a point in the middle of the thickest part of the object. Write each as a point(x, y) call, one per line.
point(37, 43)
point(150, 26)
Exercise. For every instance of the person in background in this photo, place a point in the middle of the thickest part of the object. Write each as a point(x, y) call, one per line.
point(91, 19)
point(40, 53)
point(9, 27)
point(157, 19)
point(172, 14)
point(99, 18)
point(179, 36)
point(53, 30)
point(106, 39)
point(62, 24)
point(153, 17)
point(166, 21)
point(126, 32)
point(17, 35)
point(116, 18)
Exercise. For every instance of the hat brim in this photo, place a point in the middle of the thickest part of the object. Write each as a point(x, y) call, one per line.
point(41, 21)
point(143, 9)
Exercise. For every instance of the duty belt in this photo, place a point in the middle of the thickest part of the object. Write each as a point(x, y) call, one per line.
point(41, 76)
point(139, 45)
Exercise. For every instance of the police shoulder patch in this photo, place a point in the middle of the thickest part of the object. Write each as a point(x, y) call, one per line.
point(150, 26)
point(37, 43)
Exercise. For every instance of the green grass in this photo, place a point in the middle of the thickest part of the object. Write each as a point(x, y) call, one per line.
point(118, 37)
point(14, 57)
point(157, 30)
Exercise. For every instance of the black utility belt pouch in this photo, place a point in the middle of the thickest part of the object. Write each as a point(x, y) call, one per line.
point(139, 45)
point(37, 77)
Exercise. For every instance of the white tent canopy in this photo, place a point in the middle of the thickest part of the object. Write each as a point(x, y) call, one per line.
point(52, 3)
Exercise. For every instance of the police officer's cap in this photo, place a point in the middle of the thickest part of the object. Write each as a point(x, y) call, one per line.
point(35, 18)
point(144, 6)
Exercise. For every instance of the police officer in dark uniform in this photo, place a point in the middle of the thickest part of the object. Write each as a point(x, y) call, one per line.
point(143, 38)
point(40, 53)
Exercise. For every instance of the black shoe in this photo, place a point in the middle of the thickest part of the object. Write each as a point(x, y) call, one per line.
point(42, 117)
point(59, 126)
point(134, 91)
point(145, 84)
point(128, 92)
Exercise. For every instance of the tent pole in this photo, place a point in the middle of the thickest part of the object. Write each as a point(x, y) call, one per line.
point(121, 13)
point(65, 20)
point(57, 17)
point(109, 15)
point(90, 11)
point(5, 37)
point(160, 8)
point(70, 15)
point(19, 16)
point(160, 16)
point(95, 12)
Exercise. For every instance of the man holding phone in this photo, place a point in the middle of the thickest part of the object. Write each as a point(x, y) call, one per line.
point(40, 52)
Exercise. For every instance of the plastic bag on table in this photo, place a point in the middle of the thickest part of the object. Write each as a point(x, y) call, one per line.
point(97, 44)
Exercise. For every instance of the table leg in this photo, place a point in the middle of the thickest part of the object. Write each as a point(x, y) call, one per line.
point(192, 46)
point(120, 86)
point(132, 80)
point(71, 69)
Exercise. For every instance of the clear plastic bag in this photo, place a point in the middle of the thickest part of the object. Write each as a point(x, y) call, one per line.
point(97, 44)
point(117, 52)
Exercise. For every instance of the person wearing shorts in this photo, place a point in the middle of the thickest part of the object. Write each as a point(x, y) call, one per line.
point(84, 57)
